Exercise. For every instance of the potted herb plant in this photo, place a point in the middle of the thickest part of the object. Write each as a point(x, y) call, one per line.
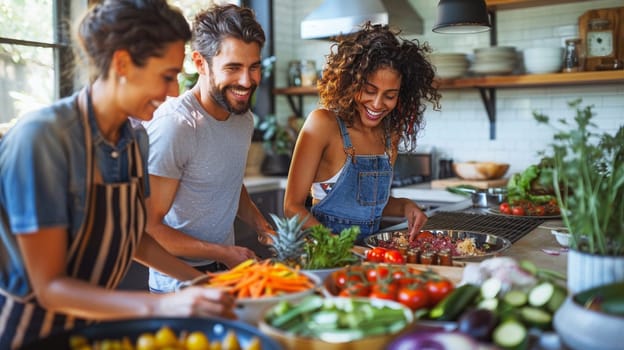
point(588, 178)
point(278, 142)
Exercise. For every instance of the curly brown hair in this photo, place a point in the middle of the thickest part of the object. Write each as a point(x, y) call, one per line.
point(353, 58)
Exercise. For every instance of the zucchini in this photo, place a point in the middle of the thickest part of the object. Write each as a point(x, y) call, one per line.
point(536, 317)
point(455, 303)
point(557, 299)
point(541, 294)
point(516, 298)
point(490, 288)
point(488, 304)
point(511, 335)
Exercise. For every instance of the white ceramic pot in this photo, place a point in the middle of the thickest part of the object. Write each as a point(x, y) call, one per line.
point(583, 329)
point(589, 270)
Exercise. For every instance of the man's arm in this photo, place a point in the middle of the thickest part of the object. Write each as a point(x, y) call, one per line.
point(162, 193)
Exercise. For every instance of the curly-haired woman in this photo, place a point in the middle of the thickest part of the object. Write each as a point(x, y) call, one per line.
point(372, 94)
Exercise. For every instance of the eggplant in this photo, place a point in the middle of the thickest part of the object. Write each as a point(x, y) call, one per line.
point(436, 340)
point(478, 323)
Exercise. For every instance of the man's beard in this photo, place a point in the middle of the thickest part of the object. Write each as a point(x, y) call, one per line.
point(219, 96)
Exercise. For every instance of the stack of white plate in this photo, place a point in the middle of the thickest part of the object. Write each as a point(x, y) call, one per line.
point(449, 65)
point(495, 60)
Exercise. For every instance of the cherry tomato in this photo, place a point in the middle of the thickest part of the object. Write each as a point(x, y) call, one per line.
point(539, 210)
point(504, 208)
point(438, 290)
point(355, 289)
point(340, 278)
point(517, 210)
point(393, 256)
point(384, 291)
point(376, 254)
point(377, 273)
point(414, 298)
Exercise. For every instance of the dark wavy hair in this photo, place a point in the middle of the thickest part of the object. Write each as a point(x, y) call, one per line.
point(353, 58)
point(219, 22)
point(143, 27)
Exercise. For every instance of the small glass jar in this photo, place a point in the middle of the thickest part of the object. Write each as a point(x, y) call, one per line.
point(308, 73)
point(445, 257)
point(571, 55)
point(413, 256)
point(294, 73)
point(427, 258)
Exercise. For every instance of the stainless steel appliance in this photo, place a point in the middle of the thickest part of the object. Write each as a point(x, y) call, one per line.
point(415, 168)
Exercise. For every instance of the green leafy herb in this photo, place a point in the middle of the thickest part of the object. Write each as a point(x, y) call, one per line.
point(326, 250)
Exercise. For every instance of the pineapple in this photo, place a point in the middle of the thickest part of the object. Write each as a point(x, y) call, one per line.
point(289, 241)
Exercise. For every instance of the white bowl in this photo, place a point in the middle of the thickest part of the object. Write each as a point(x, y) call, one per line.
point(563, 238)
point(539, 60)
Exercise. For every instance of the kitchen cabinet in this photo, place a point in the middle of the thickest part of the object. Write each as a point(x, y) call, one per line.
point(269, 202)
point(487, 85)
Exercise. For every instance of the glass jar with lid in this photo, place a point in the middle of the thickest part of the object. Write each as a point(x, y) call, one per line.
point(572, 55)
point(294, 73)
point(308, 73)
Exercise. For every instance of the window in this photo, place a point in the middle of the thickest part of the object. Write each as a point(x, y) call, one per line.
point(35, 54)
point(36, 61)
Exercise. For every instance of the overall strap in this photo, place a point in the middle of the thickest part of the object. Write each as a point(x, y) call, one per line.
point(346, 140)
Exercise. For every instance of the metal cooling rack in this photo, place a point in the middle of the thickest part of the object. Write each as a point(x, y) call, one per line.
point(512, 228)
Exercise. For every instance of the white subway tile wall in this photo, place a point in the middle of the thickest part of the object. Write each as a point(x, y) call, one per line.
point(461, 129)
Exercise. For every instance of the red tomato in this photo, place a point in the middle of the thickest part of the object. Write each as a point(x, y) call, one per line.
point(517, 210)
point(357, 289)
point(414, 298)
point(438, 290)
point(340, 278)
point(384, 291)
point(377, 273)
point(376, 254)
point(539, 210)
point(393, 256)
point(504, 208)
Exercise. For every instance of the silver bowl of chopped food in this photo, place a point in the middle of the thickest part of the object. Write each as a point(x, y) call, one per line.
point(463, 245)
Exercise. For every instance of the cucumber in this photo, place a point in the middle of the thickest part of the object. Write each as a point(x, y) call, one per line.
point(536, 317)
point(541, 294)
point(490, 288)
point(516, 298)
point(511, 335)
point(455, 303)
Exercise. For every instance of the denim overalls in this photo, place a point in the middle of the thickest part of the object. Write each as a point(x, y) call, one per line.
point(360, 193)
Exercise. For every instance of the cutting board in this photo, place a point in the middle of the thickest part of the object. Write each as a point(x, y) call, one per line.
point(455, 181)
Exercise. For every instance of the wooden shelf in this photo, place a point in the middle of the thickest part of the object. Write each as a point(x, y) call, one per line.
point(518, 4)
point(535, 80)
point(296, 90)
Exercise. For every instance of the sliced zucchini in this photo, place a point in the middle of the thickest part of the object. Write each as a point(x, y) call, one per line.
point(511, 335)
point(536, 317)
point(455, 303)
point(490, 288)
point(488, 304)
point(557, 299)
point(541, 294)
point(516, 298)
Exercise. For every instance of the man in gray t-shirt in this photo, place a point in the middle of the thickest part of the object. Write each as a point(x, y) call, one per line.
point(198, 148)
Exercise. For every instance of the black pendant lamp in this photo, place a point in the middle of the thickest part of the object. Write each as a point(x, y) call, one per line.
point(462, 17)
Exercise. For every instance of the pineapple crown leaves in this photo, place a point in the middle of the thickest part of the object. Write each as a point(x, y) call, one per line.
point(288, 243)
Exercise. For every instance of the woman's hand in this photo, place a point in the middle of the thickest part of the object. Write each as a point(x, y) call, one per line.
point(416, 219)
point(196, 301)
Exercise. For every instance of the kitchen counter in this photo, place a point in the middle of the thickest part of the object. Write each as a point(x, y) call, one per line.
point(528, 247)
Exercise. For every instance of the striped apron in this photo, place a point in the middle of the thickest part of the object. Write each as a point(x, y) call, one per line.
point(99, 254)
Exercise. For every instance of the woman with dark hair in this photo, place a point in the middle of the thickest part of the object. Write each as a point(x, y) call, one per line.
point(372, 94)
point(73, 184)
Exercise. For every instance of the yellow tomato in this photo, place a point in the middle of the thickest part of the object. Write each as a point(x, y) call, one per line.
point(166, 337)
point(197, 341)
point(254, 344)
point(230, 342)
point(146, 341)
